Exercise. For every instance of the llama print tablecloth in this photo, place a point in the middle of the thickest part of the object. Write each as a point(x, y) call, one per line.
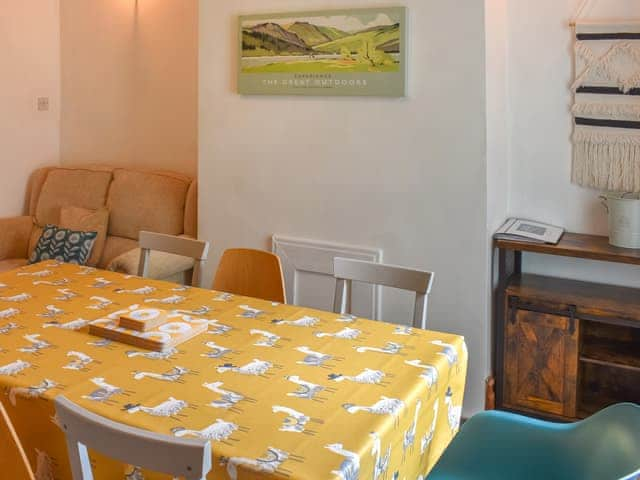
point(281, 391)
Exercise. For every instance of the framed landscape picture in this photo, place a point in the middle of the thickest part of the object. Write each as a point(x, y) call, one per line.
point(332, 52)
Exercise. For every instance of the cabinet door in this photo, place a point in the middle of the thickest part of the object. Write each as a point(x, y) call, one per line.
point(541, 361)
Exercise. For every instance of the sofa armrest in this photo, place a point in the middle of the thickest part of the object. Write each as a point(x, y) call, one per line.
point(161, 265)
point(15, 233)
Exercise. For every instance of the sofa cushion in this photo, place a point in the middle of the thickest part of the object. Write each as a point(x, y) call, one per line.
point(114, 247)
point(71, 187)
point(146, 201)
point(12, 264)
point(63, 245)
point(85, 220)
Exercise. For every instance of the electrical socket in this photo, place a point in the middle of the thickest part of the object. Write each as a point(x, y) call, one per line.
point(43, 104)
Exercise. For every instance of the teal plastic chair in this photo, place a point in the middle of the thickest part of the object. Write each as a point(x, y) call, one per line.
point(503, 446)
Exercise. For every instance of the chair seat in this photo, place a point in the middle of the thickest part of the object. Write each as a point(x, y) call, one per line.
point(12, 263)
point(502, 446)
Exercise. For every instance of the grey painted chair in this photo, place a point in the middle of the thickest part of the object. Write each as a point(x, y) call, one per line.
point(186, 247)
point(347, 271)
point(182, 458)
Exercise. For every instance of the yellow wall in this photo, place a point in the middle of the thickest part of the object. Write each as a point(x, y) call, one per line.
point(129, 83)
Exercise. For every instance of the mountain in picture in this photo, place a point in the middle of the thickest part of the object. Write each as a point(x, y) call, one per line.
point(360, 42)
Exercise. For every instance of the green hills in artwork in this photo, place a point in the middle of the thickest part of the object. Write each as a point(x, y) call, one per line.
point(272, 39)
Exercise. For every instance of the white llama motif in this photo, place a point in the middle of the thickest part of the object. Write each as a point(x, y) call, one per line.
point(34, 391)
point(218, 328)
point(384, 406)
point(269, 463)
point(103, 343)
point(203, 310)
point(147, 290)
point(305, 321)
point(249, 312)
point(100, 303)
point(268, 339)
point(390, 348)
point(72, 325)
point(182, 288)
point(118, 313)
point(409, 437)
point(347, 318)
point(86, 271)
point(173, 375)
point(166, 355)
point(429, 373)
point(171, 300)
point(134, 474)
point(52, 283)
point(104, 392)
point(8, 313)
point(344, 334)
point(38, 274)
point(313, 359)
point(44, 466)
point(65, 295)
point(79, 362)
point(51, 312)
point(294, 421)
point(168, 408)
point(306, 390)
point(449, 352)
point(454, 412)
point(22, 297)
point(255, 368)
point(381, 464)
point(404, 331)
point(367, 376)
point(350, 468)
point(217, 351)
point(13, 369)
point(227, 400)
point(101, 282)
point(223, 297)
point(218, 432)
point(427, 439)
point(8, 328)
point(36, 344)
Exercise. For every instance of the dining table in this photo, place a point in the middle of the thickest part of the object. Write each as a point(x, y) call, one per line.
point(280, 391)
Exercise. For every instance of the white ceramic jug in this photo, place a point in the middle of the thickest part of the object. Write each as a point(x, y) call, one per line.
point(624, 219)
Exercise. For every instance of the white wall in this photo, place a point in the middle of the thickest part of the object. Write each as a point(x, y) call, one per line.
point(539, 75)
point(130, 83)
point(30, 59)
point(406, 175)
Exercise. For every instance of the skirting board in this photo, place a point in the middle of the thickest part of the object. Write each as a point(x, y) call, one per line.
point(300, 256)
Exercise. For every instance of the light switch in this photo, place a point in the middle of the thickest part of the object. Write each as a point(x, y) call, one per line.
point(43, 104)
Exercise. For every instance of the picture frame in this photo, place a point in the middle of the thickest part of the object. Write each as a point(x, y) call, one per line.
point(348, 52)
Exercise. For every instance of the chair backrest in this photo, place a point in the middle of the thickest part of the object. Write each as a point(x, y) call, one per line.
point(186, 247)
point(347, 271)
point(253, 273)
point(182, 458)
point(13, 459)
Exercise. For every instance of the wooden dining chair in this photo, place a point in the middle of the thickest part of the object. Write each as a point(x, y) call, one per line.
point(186, 247)
point(347, 271)
point(252, 273)
point(183, 458)
point(13, 459)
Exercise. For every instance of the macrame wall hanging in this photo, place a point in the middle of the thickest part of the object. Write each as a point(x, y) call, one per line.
point(606, 139)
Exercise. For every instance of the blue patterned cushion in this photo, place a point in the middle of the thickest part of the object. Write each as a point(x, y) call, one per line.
point(63, 245)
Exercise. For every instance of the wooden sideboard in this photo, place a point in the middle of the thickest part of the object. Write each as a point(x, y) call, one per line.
point(564, 349)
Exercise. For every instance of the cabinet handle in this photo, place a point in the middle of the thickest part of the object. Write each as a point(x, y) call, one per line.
point(572, 319)
point(514, 302)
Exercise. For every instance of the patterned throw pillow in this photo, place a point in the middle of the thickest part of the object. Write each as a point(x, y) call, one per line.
point(63, 245)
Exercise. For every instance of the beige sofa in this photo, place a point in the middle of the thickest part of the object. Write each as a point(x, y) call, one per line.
point(137, 200)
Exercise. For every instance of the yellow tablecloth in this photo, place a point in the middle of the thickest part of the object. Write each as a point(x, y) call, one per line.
point(281, 391)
